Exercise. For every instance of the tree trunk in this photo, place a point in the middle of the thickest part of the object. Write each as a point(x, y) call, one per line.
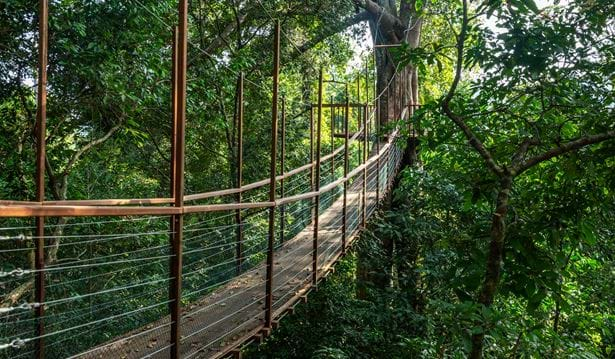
point(494, 260)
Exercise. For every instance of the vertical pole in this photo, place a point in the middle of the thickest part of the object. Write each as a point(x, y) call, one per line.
point(272, 172)
point(366, 125)
point(332, 113)
point(312, 172)
point(41, 133)
point(238, 219)
point(388, 102)
point(400, 93)
point(398, 82)
point(345, 208)
point(173, 167)
point(367, 92)
point(282, 169)
point(359, 111)
point(378, 109)
point(406, 103)
point(402, 98)
point(364, 195)
point(174, 71)
point(317, 182)
point(180, 118)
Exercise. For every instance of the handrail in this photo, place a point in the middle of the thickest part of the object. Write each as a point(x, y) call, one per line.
point(264, 182)
point(64, 210)
point(187, 198)
point(341, 180)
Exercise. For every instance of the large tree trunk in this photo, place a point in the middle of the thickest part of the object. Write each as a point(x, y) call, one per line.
point(397, 90)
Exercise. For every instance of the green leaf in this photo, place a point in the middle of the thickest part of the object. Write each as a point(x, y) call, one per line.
point(587, 233)
point(530, 4)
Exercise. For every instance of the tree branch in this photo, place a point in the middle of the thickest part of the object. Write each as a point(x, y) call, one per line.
point(457, 119)
point(564, 148)
point(89, 146)
point(336, 28)
point(523, 148)
point(407, 10)
point(390, 25)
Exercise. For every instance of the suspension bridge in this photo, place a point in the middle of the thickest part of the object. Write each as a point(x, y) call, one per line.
point(194, 275)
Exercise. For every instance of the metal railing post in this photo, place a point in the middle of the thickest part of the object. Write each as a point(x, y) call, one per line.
point(173, 167)
point(272, 172)
point(332, 113)
point(282, 169)
point(367, 93)
point(345, 208)
point(359, 112)
point(377, 125)
point(317, 182)
point(239, 179)
point(365, 136)
point(41, 130)
point(180, 126)
point(378, 150)
point(312, 168)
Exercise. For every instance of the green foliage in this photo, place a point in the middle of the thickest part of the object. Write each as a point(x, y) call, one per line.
point(544, 75)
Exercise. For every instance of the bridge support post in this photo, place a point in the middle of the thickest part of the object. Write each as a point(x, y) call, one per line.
point(239, 125)
point(173, 167)
point(365, 142)
point(345, 208)
point(359, 112)
point(312, 167)
point(41, 122)
point(377, 104)
point(332, 113)
point(282, 169)
point(317, 182)
point(179, 125)
point(272, 169)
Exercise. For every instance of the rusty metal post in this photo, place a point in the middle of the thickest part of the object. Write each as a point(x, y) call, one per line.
point(378, 150)
point(366, 125)
point(365, 136)
point(41, 131)
point(312, 170)
point(359, 111)
point(282, 169)
point(332, 113)
point(367, 94)
point(377, 125)
point(388, 102)
point(272, 172)
point(317, 182)
point(346, 138)
point(398, 89)
point(406, 103)
point(180, 119)
point(239, 179)
point(173, 167)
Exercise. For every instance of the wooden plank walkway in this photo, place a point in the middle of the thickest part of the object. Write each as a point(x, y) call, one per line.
point(234, 313)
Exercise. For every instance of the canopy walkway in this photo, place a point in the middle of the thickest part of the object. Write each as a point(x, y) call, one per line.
point(193, 275)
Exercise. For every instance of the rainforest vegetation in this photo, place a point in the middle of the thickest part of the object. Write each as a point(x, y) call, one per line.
point(497, 239)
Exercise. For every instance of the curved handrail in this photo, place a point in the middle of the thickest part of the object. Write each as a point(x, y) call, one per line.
point(64, 210)
point(56, 205)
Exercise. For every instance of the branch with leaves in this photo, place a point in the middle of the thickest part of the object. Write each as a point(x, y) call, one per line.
point(505, 172)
